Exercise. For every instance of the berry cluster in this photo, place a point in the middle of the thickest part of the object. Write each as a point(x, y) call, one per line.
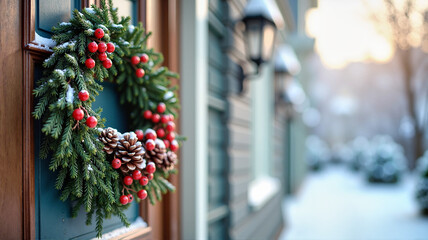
point(135, 60)
point(136, 175)
point(102, 48)
point(78, 113)
point(164, 128)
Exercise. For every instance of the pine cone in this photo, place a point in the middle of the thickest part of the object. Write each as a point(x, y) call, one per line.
point(110, 137)
point(158, 154)
point(170, 161)
point(130, 150)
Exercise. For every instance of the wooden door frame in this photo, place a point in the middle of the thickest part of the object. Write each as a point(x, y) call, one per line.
point(33, 55)
point(163, 21)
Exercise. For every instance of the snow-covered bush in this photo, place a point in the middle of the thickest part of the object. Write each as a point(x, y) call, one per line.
point(422, 182)
point(317, 152)
point(360, 153)
point(386, 162)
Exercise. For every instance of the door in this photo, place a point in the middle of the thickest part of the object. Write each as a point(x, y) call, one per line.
point(53, 217)
point(45, 216)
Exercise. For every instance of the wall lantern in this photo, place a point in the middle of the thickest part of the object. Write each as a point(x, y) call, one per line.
point(286, 67)
point(261, 19)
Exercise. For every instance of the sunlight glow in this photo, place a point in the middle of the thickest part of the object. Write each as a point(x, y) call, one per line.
point(345, 33)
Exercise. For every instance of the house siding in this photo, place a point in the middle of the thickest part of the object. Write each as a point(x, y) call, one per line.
point(244, 222)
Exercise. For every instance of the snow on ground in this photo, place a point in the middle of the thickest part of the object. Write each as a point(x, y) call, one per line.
point(337, 204)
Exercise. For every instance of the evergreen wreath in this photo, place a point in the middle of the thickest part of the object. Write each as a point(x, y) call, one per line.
point(99, 168)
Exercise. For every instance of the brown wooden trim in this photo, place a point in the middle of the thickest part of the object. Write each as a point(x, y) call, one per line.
point(171, 213)
point(87, 3)
point(31, 55)
point(142, 12)
point(28, 148)
point(29, 20)
point(11, 59)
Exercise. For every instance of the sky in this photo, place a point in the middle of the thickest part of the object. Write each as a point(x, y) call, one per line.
point(345, 31)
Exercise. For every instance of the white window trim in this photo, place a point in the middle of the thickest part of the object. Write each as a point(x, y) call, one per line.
point(261, 191)
point(194, 92)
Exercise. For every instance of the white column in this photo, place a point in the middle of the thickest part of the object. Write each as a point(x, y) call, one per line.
point(194, 118)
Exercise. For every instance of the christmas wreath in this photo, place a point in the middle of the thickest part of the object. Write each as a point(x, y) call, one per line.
point(100, 168)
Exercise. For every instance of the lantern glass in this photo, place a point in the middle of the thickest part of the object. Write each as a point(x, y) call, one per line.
point(254, 39)
point(268, 41)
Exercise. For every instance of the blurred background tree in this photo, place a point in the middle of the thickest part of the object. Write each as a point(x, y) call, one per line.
point(405, 24)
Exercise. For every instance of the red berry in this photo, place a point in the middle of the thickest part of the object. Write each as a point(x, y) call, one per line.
point(150, 176)
point(90, 63)
point(130, 198)
point(166, 142)
point(144, 58)
point(107, 63)
point(170, 126)
point(78, 114)
point(91, 122)
point(147, 114)
point(83, 95)
point(127, 180)
point(142, 194)
point(151, 168)
point(124, 199)
point(155, 118)
point(161, 108)
point(171, 117)
point(151, 134)
point(116, 163)
point(170, 136)
point(99, 33)
point(136, 174)
point(144, 180)
point(92, 47)
point(102, 47)
point(150, 145)
point(110, 47)
point(140, 134)
point(160, 132)
point(174, 145)
point(164, 119)
point(139, 72)
point(135, 60)
point(102, 56)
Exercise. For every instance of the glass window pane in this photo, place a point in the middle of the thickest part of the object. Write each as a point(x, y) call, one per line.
point(126, 8)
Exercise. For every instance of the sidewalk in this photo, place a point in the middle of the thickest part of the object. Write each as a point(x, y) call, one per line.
point(338, 204)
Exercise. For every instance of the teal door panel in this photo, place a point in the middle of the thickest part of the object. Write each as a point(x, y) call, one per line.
point(113, 111)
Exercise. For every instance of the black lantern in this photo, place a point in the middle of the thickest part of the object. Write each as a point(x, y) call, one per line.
point(286, 66)
point(260, 31)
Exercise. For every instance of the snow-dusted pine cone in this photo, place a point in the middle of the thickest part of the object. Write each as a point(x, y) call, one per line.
point(158, 154)
point(109, 136)
point(170, 161)
point(131, 152)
